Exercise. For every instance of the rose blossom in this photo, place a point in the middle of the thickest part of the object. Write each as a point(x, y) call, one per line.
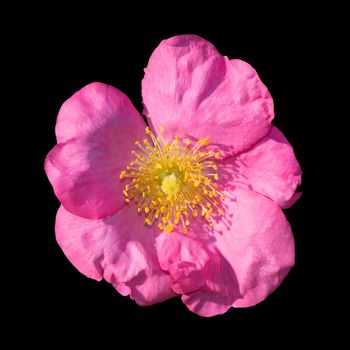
point(190, 205)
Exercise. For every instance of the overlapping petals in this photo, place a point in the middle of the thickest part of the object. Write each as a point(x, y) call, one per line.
point(269, 168)
point(243, 260)
point(119, 248)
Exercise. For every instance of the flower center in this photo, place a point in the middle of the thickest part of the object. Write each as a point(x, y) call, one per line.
point(170, 185)
point(173, 183)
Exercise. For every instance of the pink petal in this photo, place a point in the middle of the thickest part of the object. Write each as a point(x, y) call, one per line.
point(258, 244)
point(269, 168)
point(119, 248)
point(192, 90)
point(97, 128)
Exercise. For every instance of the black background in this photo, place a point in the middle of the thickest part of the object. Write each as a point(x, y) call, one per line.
point(64, 61)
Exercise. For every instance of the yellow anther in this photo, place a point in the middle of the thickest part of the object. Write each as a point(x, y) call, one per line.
point(146, 210)
point(216, 176)
point(122, 174)
point(169, 228)
point(207, 181)
point(217, 155)
point(204, 142)
point(194, 213)
point(125, 193)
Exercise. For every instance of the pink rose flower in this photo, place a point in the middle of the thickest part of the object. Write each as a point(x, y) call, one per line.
point(190, 206)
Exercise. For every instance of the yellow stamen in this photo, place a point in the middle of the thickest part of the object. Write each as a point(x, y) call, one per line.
point(171, 183)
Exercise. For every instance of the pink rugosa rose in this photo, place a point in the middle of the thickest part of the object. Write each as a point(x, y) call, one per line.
point(192, 204)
